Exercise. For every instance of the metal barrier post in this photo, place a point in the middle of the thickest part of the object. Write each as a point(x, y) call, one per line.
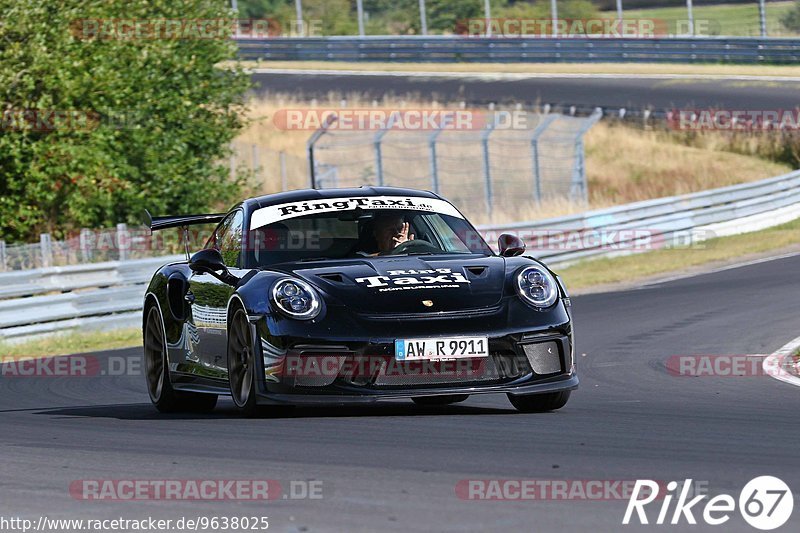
point(487, 172)
point(537, 175)
point(434, 164)
point(3, 260)
point(85, 245)
point(46, 248)
point(578, 189)
point(310, 147)
point(123, 241)
point(378, 155)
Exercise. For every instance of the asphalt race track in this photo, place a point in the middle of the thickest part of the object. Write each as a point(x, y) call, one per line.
point(617, 92)
point(396, 466)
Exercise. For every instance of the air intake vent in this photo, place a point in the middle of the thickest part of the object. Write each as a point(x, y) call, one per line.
point(543, 357)
point(333, 276)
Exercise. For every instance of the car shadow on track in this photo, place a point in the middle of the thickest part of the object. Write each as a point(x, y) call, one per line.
point(226, 411)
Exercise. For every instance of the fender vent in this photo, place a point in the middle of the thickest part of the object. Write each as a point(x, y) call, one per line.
point(476, 270)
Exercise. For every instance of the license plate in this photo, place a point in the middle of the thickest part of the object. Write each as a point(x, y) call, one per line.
point(441, 348)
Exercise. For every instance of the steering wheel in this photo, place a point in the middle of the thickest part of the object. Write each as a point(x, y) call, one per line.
point(417, 246)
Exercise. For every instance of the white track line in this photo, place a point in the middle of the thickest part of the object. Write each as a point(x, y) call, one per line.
point(775, 365)
point(502, 76)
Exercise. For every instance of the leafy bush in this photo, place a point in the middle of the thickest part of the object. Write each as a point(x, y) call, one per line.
point(123, 124)
point(791, 20)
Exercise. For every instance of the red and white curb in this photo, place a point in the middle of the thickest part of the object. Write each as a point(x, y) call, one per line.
point(782, 365)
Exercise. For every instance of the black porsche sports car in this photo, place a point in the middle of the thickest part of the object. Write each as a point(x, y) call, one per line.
point(353, 295)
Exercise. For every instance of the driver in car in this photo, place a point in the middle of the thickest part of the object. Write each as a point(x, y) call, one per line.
point(390, 231)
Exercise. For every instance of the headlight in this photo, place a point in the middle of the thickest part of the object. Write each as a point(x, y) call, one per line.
point(537, 286)
point(296, 298)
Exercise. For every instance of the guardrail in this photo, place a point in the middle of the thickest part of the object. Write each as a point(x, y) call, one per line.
point(90, 297)
point(664, 222)
point(545, 50)
point(109, 295)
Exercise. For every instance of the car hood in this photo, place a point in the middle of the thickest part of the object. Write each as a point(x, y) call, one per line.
point(409, 284)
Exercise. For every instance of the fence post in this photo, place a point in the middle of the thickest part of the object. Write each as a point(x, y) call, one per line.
point(537, 176)
point(434, 164)
point(378, 155)
point(578, 189)
point(3, 260)
point(46, 248)
point(487, 171)
point(310, 147)
point(85, 244)
point(122, 241)
point(284, 178)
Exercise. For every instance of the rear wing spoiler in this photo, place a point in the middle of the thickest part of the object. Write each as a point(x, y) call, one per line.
point(181, 221)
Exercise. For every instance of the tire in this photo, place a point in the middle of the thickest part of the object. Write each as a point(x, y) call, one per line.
point(241, 365)
point(242, 371)
point(440, 400)
point(156, 372)
point(539, 403)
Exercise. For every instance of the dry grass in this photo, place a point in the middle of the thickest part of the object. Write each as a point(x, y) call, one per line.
point(624, 163)
point(627, 164)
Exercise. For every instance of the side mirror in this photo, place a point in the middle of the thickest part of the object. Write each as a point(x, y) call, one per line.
point(207, 261)
point(510, 245)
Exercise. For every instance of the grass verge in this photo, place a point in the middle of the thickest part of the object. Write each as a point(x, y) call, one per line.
point(675, 260)
point(632, 69)
point(72, 343)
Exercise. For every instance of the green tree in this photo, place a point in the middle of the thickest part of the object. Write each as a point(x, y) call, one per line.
point(138, 123)
point(791, 20)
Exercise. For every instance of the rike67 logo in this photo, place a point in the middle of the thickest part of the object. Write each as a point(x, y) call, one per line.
point(765, 503)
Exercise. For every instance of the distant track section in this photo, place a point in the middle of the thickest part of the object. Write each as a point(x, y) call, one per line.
point(452, 49)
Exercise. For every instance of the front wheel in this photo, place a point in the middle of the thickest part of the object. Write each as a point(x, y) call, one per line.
point(539, 403)
point(241, 365)
point(159, 387)
point(242, 371)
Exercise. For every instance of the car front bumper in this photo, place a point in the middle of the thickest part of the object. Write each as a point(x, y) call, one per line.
point(314, 371)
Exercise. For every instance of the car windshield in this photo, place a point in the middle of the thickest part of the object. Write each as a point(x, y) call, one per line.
point(345, 228)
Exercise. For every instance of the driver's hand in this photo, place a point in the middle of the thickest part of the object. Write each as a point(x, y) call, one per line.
point(403, 235)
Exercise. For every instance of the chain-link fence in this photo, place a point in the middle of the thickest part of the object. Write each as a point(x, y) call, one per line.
point(510, 164)
point(91, 246)
point(272, 170)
